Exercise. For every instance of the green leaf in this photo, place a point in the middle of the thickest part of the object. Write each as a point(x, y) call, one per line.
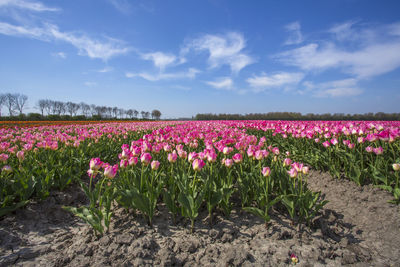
point(256, 211)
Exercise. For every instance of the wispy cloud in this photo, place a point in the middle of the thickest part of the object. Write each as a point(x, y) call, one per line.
point(280, 79)
point(60, 55)
point(189, 74)
point(337, 88)
point(295, 36)
point(371, 57)
point(87, 46)
point(29, 5)
point(105, 69)
point(225, 83)
point(223, 50)
point(160, 60)
point(122, 6)
point(90, 84)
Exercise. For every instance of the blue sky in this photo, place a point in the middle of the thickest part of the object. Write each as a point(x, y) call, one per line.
point(187, 57)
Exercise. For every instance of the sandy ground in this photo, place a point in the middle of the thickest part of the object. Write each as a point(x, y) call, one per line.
point(357, 227)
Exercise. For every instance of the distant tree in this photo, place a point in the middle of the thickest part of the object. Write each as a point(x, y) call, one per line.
point(115, 111)
point(109, 112)
point(135, 113)
point(2, 101)
point(121, 112)
point(10, 100)
point(85, 108)
point(143, 113)
point(41, 105)
point(147, 115)
point(156, 114)
point(20, 101)
point(93, 109)
point(72, 108)
point(129, 112)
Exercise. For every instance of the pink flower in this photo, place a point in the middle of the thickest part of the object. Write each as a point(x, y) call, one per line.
point(228, 163)
point(326, 144)
point(133, 161)
point(275, 150)
point(110, 171)
point(182, 154)
point(305, 170)
point(227, 150)
point(136, 151)
point(334, 141)
point(360, 140)
point(378, 150)
point(292, 173)
point(396, 166)
point(3, 157)
point(167, 148)
point(95, 164)
point(350, 145)
point(211, 157)
point(192, 156)
point(316, 140)
point(123, 163)
point(198, 164)
point(7, 169)
point(155, 164)
point(287, 162)
point(368, 149)
point(92, 173)
point(237, 158)
point(145, 158)
point(172, 157)
point(259, 155)
point(266, 171)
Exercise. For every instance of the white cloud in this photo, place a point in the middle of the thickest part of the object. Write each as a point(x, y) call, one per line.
point(338, 88)
point(223, 50)
point(222, 83)
point(160, 60)
point(60, 55)
point(30, 5)
point(371, 57)
point(294, 30)
point(122, 6)
point(90, 84)
point(87, 47)
point(280, 79)
point(189, 74)
point(105, 69)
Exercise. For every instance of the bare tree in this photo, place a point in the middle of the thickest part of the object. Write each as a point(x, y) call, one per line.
point(115, 111)
point(147, 115)
point(135, 113)
point(2, 101)
point(121, 112)
point(10, 100)
point(85, 108)
point(20, 101)
point(48, 106)
point(41, 104)
point(93, 109)
point(72, 108)
point(109, 112)
point(129, 112)
point(156, 114)
point(143, 113)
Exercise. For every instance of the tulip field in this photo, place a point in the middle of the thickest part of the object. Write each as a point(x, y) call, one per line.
point(189, 166)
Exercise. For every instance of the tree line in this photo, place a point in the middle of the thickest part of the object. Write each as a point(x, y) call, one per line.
point(54, 110)
point(298, 116)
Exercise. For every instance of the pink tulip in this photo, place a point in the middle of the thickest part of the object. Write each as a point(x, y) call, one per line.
point(378, 150)
point(198, 164)
point(145, 158)
point(155, 165)
point(4, 157)
point(92, 173)
point(305, 170)
point(133, 161)
point(287, 162)
point(396, 166)
point(7, 169)
point(123, 163)
point(95, 164)
point(292, 173)
point(266, 171)
point(211, 157)
point(326, 144)
point(110, 171)
point(228, 163)
point(237, 158)
point(192, 156)
point(369, 149)
point(172, 157)
point(182, 154)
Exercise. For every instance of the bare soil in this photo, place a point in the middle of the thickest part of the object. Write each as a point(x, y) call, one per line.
point(357, 227)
